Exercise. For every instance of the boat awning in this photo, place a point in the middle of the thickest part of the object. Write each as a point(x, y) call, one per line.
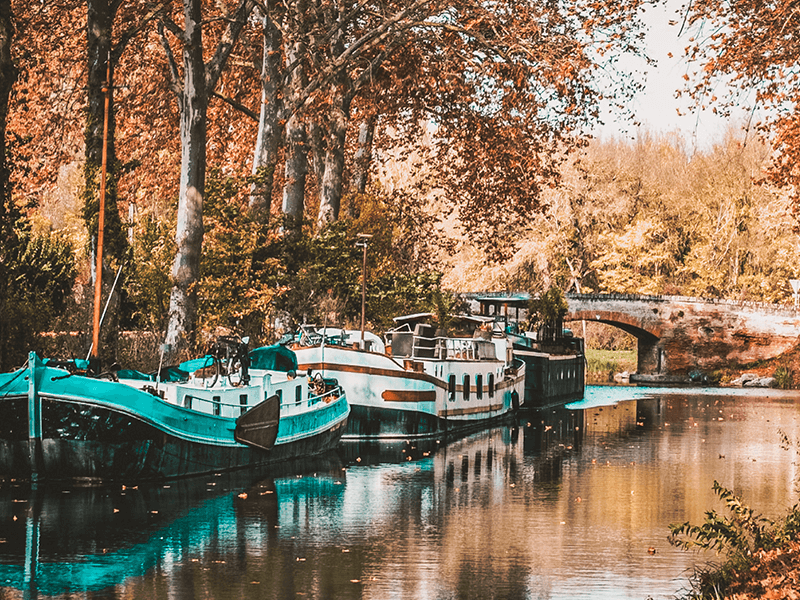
point(190, 366)
point(273, 358)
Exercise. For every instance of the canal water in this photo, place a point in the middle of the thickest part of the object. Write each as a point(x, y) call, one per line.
point(561, 504)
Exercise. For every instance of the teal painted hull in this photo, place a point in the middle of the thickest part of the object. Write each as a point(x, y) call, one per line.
point(62, 426)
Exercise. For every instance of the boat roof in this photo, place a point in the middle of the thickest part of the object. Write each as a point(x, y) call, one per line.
point(516, 300)
point(414, 317)
point(461, 317)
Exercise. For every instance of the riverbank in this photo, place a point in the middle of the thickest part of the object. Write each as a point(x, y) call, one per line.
point(602, 366)
point(784, 368)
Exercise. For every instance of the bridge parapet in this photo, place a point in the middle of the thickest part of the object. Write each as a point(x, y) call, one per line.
point(762, 306)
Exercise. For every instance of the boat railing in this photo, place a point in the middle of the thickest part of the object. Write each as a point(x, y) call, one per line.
point(309, 336)
point(446, 348)
point(312, 400)
point(407, 344)
point(328, 396)
point(215, 406)
point(457, 349)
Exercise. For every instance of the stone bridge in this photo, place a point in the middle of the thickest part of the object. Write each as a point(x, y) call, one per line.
point(677, 335)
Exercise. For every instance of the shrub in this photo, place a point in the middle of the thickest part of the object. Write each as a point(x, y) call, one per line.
point(783, 378)
point(739, 537)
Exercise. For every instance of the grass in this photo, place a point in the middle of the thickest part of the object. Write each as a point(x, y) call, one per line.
point(602, 365)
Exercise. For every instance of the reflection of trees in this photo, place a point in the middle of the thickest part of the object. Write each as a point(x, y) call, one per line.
point(512, 511)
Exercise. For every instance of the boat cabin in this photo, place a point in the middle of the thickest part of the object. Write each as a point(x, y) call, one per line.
point(415, 337)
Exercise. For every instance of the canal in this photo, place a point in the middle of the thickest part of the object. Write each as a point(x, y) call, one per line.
point(562, 504)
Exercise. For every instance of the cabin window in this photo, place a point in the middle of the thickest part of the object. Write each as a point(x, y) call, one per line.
point(451, 388)
point(479, 386)
point(466, 387)
point(491, 385)
point(298, 394)
point(187, 401)
point(243, 403)
point(216, 401)
point(279, 394)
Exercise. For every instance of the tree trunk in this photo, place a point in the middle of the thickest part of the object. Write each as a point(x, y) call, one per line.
point(316, 147)
point(331, 185)
point(270, 129)
point(296, 167)
point(98, 36)
point(193, 103)
point(296, 170)
point(8, 76)
point(363, 158)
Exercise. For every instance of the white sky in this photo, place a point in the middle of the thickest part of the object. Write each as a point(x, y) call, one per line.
point(656, 108)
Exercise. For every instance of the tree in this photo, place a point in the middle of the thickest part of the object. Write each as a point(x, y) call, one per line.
point(193, 90)
point(101, 166)
point(546, 313)
point(296, 161)
point(510, 91)
point(9, 213)
point(749, 49)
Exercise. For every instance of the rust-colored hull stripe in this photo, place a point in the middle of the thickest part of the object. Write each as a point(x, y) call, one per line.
point(409, 395)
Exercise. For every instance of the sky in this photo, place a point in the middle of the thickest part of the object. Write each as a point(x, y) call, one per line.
point(657, 108)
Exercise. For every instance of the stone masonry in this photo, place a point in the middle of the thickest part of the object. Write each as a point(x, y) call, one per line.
point(677, 335)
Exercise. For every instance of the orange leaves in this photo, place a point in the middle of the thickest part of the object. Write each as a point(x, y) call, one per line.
point(749, 46)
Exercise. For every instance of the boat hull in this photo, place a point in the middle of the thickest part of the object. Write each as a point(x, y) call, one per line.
point(82, 428)
point(114, 446)
point(551, 379)
point(390, 399)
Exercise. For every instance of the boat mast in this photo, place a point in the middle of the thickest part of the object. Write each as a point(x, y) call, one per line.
point(98, 280)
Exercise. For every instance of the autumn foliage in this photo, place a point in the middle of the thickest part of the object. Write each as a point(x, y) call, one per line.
point(744, 53)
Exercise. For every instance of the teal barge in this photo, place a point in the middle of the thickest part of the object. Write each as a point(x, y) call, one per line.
point(62, 425)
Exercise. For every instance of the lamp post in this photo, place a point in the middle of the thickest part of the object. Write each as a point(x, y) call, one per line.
point(362, 242)
point(795, 283)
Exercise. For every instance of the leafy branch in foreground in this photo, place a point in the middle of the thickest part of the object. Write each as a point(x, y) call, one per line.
point(741, 533)
point(740, 537)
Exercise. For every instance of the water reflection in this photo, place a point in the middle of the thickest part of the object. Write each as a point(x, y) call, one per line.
point(560, 504)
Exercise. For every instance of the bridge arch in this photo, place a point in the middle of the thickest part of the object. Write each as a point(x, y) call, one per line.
point(626, 322)
point(650, 355)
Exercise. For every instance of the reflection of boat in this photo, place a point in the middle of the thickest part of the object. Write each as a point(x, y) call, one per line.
point(421, 384)
point(555, 364)
point(59, 424)
point(94, 538)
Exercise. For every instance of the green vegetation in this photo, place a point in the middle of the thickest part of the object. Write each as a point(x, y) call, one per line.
point(37, 278)
point(259, 281)
point(639, 218)
point(739, 537)
point(546, 312)
point(783, 377)
point(602, 365)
